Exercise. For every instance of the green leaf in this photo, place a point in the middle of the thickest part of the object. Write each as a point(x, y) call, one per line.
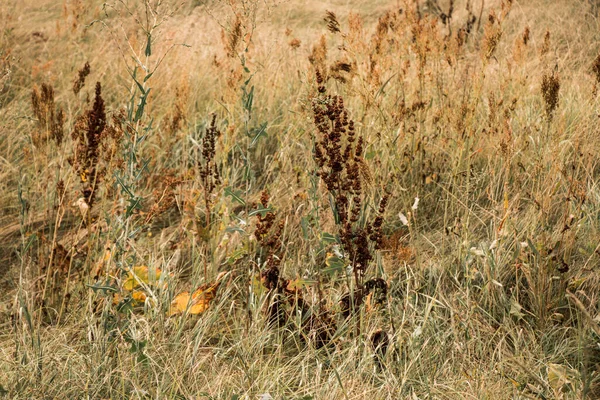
point(148, 51)
point(236, 255)
point(334, 264)
point(261, 211)
point(133, 76)
point(125, 306)
point(248, 99)
point(235, 195)
point(32, 238)
point(261, 131)
point(134, 204)
point(327, 237)
point(104, 287)
point(140, 110)
point(233, 229)
point(533, 248)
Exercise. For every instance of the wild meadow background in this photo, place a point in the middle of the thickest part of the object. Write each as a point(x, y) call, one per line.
point(246, 199)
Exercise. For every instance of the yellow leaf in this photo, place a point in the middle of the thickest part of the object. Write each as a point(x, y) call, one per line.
point(138, 296)
point(201, 300)
point(139, 275)
point(294, 285)
point(179, 303)
point(515, 383)
point(197, 303)
point(117, 298)
point(431, 179)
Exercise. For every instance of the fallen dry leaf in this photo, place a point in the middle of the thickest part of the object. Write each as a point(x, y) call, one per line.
point(139, 275)
point(195, 304)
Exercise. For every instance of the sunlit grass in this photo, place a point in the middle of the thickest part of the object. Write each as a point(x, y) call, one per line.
point(299, 200)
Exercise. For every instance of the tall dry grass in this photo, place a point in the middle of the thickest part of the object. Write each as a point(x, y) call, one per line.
point(305, 200)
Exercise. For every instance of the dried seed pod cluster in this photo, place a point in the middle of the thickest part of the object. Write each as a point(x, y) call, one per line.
point(338, 154)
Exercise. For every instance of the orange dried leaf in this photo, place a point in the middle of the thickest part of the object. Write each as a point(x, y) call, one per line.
point(179, 303)
point(139, 275)
point(195, 304)
point(138, 296)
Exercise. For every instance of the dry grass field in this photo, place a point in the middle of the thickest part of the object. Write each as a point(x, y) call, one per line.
point(264, 199)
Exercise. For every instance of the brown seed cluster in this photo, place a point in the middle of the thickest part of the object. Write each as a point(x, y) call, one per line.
point(492, 35)
point(209, 173)
point(545, 44)
point(338, 154)
point(268, 233)
point(332, 23)
point(295, 43)
point(318, 55)
point(50, 118)
point(550, 89)
point(596, 71)
point(318, 325)
point(233, 38)
point(81, 75)
point(91, 134)
point(87, 134)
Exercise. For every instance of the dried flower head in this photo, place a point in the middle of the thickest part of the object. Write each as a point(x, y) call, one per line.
point(332, 23)
point(210, 176)
point(81, 75)
point(318, 56)
point(295, 43)
point(233, 38)
point(546, 44)
point(550, 89)
point(87, 133)
point(338, 153)
point(50, 118)
point(492, 35)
